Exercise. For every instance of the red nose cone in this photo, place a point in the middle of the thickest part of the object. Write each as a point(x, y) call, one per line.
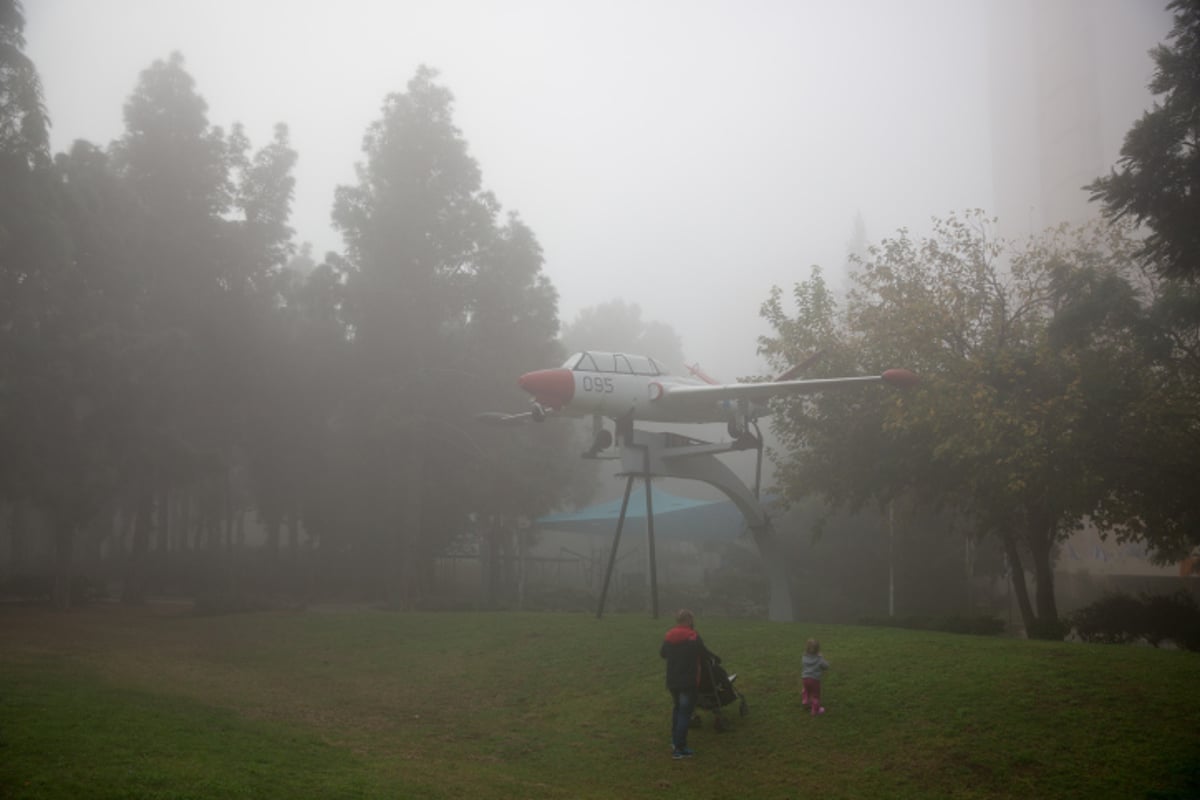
point(552, 388)
point(901, 377)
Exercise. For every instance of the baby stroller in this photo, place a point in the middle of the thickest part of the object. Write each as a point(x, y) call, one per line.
point(716, 692)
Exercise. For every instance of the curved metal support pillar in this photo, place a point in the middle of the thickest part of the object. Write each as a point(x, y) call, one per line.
point(669, 455)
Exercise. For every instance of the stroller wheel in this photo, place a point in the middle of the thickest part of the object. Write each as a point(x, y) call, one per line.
point(744, 708)
point(720, 725)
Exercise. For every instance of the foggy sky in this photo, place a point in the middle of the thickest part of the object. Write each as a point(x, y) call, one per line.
point(683, 155)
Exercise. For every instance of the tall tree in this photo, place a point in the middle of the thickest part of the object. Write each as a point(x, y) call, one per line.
point(1158, 183)
point(274, 424)
point(51, 449)
point(208, 266)
point(24, 127)
point(517, 473)
point(177, 167)
point(28, 233)
point(424, 255)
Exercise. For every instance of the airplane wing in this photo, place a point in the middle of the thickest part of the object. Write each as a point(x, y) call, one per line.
point(768, 389)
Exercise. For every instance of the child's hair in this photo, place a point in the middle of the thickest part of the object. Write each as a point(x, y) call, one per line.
point(684, 617)
point(812, 647)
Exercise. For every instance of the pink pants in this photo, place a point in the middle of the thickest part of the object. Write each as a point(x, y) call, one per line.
point(812, 693)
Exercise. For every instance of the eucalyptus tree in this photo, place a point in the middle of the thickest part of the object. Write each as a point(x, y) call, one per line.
point(1014, 425)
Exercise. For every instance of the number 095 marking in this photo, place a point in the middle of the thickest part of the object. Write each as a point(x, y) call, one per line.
point(602, 385)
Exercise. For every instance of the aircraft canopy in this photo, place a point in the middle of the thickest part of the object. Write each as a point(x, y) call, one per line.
point(596, 361)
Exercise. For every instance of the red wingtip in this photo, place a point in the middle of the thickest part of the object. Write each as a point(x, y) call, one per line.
point(901, 377)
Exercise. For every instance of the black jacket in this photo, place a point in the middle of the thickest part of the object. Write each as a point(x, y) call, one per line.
point(683, 648)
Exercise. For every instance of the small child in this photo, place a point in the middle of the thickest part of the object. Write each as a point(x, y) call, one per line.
point(812, 667)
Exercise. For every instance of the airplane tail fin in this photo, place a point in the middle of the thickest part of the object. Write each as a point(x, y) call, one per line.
point(701, 374)
point(794, 371)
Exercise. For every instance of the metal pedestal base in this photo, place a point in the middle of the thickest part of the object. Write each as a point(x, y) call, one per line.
point(648, 455)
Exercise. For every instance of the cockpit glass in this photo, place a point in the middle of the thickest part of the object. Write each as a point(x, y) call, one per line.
point(596, 361)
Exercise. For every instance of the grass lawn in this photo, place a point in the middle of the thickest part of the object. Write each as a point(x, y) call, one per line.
point(109, 702)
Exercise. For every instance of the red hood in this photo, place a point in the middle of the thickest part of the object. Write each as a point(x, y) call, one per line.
point(680, 634)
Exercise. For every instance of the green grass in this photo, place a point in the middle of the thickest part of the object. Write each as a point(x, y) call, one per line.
point(116, 703)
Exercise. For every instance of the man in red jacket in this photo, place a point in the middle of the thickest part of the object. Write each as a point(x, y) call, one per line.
point(683, 648)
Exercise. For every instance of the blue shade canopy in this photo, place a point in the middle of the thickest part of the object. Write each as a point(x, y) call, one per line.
point(674, 517)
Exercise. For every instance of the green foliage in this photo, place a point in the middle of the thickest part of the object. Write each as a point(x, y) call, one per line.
point(1036, 387)
point(1121, 618)
point(1041, 388)
point(1158, 183)
point(368, 704)
point(1156, 446)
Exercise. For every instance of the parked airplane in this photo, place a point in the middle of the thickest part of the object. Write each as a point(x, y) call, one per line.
point(628, 388)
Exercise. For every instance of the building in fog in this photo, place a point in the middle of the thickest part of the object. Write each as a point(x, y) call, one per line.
point(1068, 78)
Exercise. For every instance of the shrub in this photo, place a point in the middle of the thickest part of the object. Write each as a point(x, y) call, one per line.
point(978, 626)
point(1113, 619)
point(1174, 617)
point(1121, 618)
point(1050, 630)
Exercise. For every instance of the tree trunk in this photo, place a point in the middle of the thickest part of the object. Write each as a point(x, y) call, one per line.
point(135, 577)
point(272, 524)
point(162, 543)
point(183, 521)
point(98, 536)
point(64, 545)
point(240, 529)
point(1040, 548)
point(17, 528)
point(227, 513)
point(412, 490)
point(1018, 581)
point(124, 533)
point(293, 538)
